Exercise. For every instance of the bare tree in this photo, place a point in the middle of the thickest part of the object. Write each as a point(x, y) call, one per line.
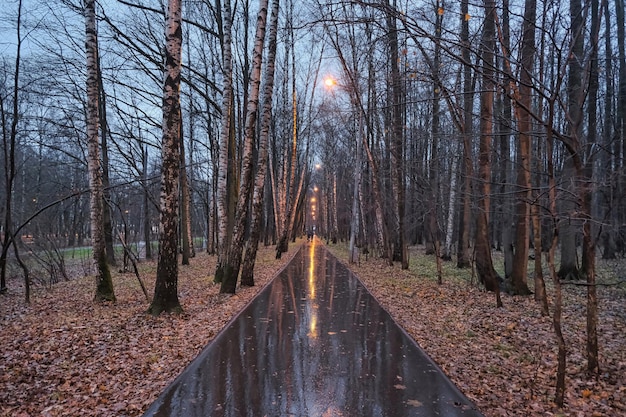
point(397, 138)
point(519, 272)
point(104, 283)
point(484, 263)
point(185, 205)
point(224, 227)
point(9, 138)
point(288, 200)
point(467, 167)
point(247, 273)
point(166, 287)
point(233, 259)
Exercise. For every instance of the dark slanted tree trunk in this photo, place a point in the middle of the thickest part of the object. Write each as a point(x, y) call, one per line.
point(166, 287)
point(484, 263)
point(104, 283)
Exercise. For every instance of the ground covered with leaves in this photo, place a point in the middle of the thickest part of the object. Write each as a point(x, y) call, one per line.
point(64, 355)
point(504, 359)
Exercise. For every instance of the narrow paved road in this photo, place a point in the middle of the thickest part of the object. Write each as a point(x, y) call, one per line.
point(313, 343)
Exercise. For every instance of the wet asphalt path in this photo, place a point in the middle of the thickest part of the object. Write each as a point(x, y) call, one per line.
point(314, 342)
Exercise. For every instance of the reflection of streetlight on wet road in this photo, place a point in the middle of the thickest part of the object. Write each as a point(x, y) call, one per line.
point(313, 330)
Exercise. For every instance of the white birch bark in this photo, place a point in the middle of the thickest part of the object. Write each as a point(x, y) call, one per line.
point(451, 209)
point(222, 175)
point(166, 287)
point(104, 284)
point(241, 213)
point(247, 273)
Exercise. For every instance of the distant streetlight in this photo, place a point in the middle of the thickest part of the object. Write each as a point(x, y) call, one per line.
point(330, 82)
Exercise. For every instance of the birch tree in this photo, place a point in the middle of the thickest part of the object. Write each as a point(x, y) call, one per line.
point(289, 200)
point(104, 283)
point(222, 196)
point(247, 273)
point(166, 287)
point(233, 259)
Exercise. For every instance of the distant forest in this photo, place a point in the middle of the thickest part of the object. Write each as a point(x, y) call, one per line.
point(169, 127)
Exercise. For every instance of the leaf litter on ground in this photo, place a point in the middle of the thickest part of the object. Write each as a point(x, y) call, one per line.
point(64, 355)
point(505, 359)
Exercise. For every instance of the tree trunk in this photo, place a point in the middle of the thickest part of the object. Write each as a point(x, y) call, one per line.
point(166, 287)
point(609, 235)
point(7, 237)
point(588, 190)
point(506, 220)
point(540, 285)
point(558, 301)
point(355, 220)
point(106, 210)
point(447, 251)
point(575, 97)
point(432, 229)
point(397, 140)
point(247, 273)
point(290, 201)
point(484, 264)
point(619, 147)
point(185, 203)
point(147, 226)
point(519, 281)
point(467, 169)
point(104, 283)
point(223, 218)
point(233, 261)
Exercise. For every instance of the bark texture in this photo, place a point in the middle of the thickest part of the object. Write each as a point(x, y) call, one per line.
point(231, 273)
point(104, 283)
point(166, 287)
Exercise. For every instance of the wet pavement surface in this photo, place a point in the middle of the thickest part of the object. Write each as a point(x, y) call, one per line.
point(314, 342)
